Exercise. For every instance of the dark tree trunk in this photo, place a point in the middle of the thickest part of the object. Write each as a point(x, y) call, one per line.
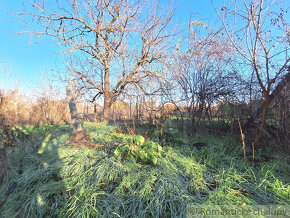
point(260, 136)
point(77, 127)
point(95, 108)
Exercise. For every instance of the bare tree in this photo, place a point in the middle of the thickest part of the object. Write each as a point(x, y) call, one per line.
point(259, 32)
point(199, 72)
point(113, 42)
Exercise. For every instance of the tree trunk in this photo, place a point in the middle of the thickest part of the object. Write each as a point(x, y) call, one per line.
point(261, 110)
point(130, 109)
point(106, 109)
point(260, 136)
point(77, 127)
point(107, 95)
point(137, 108)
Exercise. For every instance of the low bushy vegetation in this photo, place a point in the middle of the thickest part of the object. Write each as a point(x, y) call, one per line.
point(139, 151)
point(116, 179)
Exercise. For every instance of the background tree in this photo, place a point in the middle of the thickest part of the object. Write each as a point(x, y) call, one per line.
point(112, 43)
point(200, 72)
point(259, 32)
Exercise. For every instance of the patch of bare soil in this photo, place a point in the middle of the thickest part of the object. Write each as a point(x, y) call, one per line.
point(81, 139)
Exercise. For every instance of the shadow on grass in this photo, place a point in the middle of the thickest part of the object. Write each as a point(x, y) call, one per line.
point(34, 187)
point(60, 181)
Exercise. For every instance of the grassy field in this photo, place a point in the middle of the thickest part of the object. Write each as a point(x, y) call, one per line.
point(48, 177)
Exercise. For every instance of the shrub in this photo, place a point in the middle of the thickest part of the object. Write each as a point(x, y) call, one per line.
point(140, 151)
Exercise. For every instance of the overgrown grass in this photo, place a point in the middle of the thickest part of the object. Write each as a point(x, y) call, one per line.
point(54, 179)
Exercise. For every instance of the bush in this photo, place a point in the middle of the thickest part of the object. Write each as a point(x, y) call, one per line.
point(140, 151)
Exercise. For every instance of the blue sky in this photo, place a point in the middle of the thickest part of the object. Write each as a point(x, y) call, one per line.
point(28, 60)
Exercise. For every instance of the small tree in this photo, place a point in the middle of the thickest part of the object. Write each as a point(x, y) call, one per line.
point(199, 75)
point(259, 32)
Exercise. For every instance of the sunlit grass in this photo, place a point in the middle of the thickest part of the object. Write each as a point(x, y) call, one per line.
point(57, 180)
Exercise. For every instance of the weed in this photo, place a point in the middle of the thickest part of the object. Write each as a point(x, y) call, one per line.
point(139, 150)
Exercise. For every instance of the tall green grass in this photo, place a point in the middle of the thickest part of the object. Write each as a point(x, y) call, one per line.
point(60, 181)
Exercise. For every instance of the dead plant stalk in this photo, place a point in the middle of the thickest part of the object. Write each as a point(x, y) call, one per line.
point(243, 138)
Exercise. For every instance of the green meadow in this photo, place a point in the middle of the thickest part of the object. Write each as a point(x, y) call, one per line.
point(50, 178)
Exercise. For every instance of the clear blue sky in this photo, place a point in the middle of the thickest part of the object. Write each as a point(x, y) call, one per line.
point(28, 60)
